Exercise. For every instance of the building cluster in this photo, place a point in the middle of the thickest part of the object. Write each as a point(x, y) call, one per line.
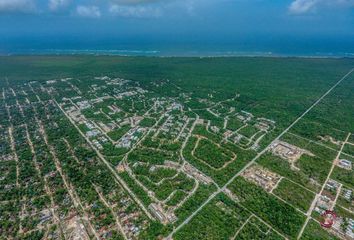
point(163, 216)
point(237, 138)
point(135, 120)
point(262, 177)
point(323, 203)
point(172, 127)
point(215, 129)
point(130, 137)
point(344, 163)
point(244, 116)
point(116, 81)
point(344, 227)
point(264, 124)
point(190, 170)
point(95, 134)
point(259, 127)
point(332, 186)
point(6, 157)
point(75, 114)
point(107, 127)
point(349, 231)
point(45, 216)
point(347, 194)
point(175, 106)
point(9, 186)
point(122, 95)
point(84, 105)
point(288, 152)
point(98, 142)
point(227, 134)
point(327, 200)
point(341, 226)
point(171, 164)
point(114, 109)
point(51, 81)
point(131, 218)
point(113, 81)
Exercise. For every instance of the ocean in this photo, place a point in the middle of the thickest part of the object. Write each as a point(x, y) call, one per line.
point(271, 47)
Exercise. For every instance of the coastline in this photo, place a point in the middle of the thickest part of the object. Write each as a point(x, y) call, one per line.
point(169, 54)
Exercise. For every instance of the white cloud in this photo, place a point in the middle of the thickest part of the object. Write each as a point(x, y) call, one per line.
point(302, 6)
point(135, 11)
point(88, 11)
point(17, 6)
point(151, 8)
point(55, 5)
point(306, 6)
point(134, 2)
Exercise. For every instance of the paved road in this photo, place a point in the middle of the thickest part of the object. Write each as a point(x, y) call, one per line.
point(258, 155)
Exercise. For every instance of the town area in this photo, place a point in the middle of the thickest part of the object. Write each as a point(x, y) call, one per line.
point(109, 158)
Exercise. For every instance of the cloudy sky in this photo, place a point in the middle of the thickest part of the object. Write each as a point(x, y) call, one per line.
point(52, 22)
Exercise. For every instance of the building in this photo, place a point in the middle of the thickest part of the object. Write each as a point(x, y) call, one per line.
point(346, 164)
point(332, 185)
point(288, 152)
point(190, 170)
point(171, 164)
point(215, 129)
point(347, 194)
point(262, 177)
point(161, 215)
point(93, 133)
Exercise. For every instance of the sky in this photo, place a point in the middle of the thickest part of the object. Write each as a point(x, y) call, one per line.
point(223, 25)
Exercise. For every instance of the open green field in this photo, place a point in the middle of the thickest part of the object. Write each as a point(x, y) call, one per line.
point(294, 194)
